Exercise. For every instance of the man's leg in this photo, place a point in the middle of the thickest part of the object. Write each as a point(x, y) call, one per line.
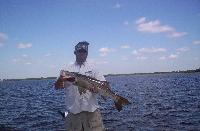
point(73, 122)
point(93, 121)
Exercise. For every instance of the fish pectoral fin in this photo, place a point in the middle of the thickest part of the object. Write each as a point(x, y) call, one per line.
point(118, 106)
point(120, 102)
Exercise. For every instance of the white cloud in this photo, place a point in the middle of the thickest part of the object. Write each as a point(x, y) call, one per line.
point(124, 58)
point(48, 54)
point(22, 59)
point(53, 66)
point(152, 26)
point(117, 5)
point(24, 45)
point(97, 62)
point(183, 49)
point(156, 27)
point(102, 62)
point(151, 50)
point(141, 57)
point(126, 23)
point(105, 50)
point(178, 52)
point(135, 52)
point(28, 63)
point(196, 58)
point(103, 54)
point(163, 58)
point(15, 60)
point(197, 42)
point(173, 56)
point(125, 46)
point(177, 34)
point(3, 38)
point(141, 20)
point(144, 51)
point(24, 55)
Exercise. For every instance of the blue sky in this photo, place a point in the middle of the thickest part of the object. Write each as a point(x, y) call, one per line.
point(37, 37)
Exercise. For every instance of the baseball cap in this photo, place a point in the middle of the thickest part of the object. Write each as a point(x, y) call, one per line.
point(82, 46)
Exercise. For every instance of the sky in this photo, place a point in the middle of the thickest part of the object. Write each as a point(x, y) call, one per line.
point(37, 38)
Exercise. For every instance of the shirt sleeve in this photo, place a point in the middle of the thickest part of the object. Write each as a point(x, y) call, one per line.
point(99, 76)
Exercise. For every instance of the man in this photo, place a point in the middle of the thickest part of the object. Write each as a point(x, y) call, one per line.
point(82, 105)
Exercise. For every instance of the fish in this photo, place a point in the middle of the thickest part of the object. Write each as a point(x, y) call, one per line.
point(102, 87)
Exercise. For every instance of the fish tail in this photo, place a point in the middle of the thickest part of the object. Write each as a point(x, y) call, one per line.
point(120, 102)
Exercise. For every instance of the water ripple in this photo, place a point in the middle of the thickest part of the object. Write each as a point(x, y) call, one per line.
point(159, 102)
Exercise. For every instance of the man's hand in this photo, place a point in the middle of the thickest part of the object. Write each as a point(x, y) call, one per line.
point(59, 83)
point(61, 80)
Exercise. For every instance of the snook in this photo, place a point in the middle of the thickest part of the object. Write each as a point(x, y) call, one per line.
point(102, 87)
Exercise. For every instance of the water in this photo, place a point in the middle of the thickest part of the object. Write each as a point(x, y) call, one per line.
point(159, 102)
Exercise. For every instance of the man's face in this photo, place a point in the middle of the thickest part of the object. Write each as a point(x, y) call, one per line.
point(81, 56)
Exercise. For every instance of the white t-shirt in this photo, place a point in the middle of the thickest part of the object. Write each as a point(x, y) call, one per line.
point(87, 101)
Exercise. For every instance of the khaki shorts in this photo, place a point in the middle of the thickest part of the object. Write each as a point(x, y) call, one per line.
point(84, 121)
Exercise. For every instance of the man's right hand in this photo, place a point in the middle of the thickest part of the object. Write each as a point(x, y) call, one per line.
point(61, 80)
point(59, 83)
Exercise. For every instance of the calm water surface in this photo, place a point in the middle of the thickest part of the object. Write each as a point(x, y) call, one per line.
point(159, 102)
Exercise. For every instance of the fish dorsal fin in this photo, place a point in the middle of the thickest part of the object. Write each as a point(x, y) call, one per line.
point(89, 78)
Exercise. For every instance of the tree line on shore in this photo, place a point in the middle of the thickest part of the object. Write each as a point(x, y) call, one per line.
point(43, 78)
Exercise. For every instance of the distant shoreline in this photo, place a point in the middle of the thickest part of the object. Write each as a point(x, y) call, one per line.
point(47, 78)
point(187, 71)
point(42, 78)
point(147, 73)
